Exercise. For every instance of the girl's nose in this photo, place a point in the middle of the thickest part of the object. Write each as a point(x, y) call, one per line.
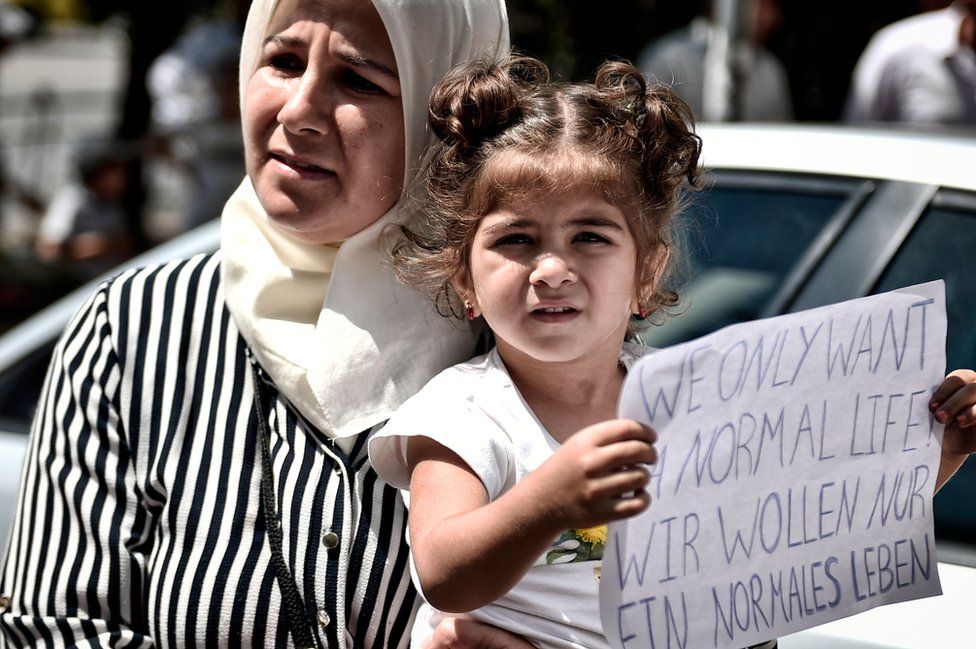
point(552, 270)
point(307, 108)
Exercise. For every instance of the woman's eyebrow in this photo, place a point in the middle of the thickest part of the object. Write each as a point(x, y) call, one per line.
point(351, 58)
point(359, 61)
point(286, 41)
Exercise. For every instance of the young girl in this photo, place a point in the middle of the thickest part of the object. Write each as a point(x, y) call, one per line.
point(552, 207)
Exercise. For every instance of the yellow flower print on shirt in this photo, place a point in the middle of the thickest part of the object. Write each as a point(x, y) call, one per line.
point(596, 534)
point(574, 546)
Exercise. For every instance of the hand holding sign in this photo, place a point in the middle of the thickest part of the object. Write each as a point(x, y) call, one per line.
point(597, 475)
point(797, 463)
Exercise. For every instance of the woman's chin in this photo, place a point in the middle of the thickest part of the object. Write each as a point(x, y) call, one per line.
point(298, 222)
point(311, 223)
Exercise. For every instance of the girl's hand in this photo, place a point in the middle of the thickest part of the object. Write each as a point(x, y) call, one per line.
point(462, 633)
point(954, 404)
point(596, 476)
point(460, 537)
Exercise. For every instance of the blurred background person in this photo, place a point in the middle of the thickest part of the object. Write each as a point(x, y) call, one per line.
point(151, 29)
point(195, 116)
point(15, 24)
point(84, 228)
point(920, 71)
point(685, 59)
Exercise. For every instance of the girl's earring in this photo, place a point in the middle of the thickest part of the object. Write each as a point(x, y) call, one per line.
point(641, 310)
point(469, 309)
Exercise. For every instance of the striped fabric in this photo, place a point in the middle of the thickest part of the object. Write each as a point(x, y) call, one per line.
point(140, 522)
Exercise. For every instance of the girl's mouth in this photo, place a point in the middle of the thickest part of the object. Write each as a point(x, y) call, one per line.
point(554, 314)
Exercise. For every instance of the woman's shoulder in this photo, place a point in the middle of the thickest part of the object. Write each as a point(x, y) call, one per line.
point(162, 285)
point(150, 275)
point(155, 293)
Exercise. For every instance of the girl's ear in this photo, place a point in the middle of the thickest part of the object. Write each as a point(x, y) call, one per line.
point(462, 286)
point(651, 271)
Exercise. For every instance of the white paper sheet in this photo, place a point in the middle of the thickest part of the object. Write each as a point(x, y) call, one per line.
point(797, 467)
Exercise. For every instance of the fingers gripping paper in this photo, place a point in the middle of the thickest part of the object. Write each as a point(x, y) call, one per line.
point(797, 463)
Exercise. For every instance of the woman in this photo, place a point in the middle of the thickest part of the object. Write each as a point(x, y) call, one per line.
point(197, 472)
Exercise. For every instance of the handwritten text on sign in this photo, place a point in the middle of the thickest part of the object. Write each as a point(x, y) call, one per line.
point(795, 480)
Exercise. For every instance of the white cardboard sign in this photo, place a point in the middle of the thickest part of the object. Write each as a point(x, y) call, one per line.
point(797, 464)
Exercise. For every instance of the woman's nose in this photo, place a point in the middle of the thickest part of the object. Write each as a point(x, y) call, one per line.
point(308, 108)
point(552, 270)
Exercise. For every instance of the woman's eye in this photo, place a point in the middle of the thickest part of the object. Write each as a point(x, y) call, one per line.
point(360, 83)
point(285, 62)
point(590, 237)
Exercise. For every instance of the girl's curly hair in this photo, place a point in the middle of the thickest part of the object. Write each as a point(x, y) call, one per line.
point(506, 131)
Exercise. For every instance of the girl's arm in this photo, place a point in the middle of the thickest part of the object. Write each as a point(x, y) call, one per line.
point(954, 404)
point(469, 552)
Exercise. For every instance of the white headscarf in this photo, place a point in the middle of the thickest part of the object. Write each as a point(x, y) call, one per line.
point(340, 338)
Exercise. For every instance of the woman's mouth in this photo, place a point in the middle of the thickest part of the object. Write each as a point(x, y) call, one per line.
point(299, 168)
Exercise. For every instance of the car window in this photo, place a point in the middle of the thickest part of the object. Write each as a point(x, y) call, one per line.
point(20, 387)
point(941, 247)
point(743, 237)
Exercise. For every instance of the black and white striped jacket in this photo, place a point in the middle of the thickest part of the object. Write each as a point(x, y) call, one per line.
point(140, 521)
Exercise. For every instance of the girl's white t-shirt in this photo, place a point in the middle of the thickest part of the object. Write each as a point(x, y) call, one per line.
point(475, 410)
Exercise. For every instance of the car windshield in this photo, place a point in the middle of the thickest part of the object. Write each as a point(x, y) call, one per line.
point(744, 236)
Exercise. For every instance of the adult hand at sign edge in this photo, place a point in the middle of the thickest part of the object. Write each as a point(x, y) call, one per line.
point(954, 404)
point(463, 633)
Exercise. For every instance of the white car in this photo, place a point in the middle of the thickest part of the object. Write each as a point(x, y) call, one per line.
point(791, 218)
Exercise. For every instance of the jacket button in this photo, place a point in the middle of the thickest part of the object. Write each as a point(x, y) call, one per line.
point(324, 618)
point(330, 540)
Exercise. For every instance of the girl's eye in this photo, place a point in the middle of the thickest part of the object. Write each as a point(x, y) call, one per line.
point(514, 239)
point(360, 83)
point(285, 62)
point(590, 237)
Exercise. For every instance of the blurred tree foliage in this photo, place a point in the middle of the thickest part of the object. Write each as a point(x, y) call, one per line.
point(55, 10)
point(98, 10)
point(574, 36)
